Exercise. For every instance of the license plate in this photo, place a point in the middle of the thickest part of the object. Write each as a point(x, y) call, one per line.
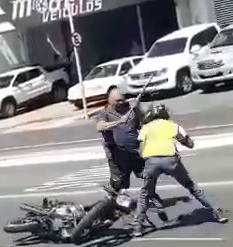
point(123, 201)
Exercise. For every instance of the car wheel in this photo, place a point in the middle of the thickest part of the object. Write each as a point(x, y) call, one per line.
point(184, 82)
point(8, 109)
point(59, 93)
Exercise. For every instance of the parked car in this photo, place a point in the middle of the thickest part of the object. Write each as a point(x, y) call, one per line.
point(103, 78)
point(170, 59)
point(214, 65)
point(24, 86)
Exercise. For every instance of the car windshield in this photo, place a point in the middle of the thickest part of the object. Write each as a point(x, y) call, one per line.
point(224, 38)
point(5, 81)
point(102, 71)
point(166, 48)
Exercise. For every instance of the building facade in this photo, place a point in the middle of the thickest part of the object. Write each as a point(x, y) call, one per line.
point(29, 28)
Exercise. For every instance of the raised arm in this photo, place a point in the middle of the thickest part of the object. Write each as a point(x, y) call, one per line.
point(184, 139)
point(103, 124)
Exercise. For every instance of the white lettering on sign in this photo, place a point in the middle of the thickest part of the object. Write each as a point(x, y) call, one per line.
point(52, 10)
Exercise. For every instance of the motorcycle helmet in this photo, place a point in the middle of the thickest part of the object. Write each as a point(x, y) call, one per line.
point(161, 112)
point(153, 112)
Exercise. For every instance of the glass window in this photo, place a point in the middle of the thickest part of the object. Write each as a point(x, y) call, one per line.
point(102, 71)
point(210, 34)
point(5, 81)
point(204, 38)
point(21, 78)
point(168, 47)
point(125, 67)
point(137, 60)
point(224, 38)
point(34, 73)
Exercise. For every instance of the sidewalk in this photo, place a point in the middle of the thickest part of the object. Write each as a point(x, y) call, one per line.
point(59, 113)
point(49, 117)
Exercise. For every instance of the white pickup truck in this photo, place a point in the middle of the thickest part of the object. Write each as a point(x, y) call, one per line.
point(214, 64)
point(24, 86)
point(169, 60)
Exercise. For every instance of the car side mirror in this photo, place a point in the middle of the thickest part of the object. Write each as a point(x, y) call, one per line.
point(195, 49)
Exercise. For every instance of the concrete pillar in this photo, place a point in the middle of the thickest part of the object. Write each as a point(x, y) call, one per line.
point(190, 12)
point(202, 11)
point(183, 13)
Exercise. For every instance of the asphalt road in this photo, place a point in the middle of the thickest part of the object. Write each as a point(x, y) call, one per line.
point(80, 182)
point(193, 111)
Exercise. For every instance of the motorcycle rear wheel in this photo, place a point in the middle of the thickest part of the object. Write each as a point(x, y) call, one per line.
point(98, 212)
point(21, 225)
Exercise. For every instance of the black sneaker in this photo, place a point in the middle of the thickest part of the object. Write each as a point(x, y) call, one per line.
point(218, 215)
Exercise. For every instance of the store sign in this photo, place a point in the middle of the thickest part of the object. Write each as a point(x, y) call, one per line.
point(52, 10)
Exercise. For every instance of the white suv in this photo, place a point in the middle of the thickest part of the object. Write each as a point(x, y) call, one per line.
point(23, 86)
point(103, 78)
point(214, 65)
point(170, 59)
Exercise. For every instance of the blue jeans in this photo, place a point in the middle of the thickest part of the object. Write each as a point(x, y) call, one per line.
point(154, 167)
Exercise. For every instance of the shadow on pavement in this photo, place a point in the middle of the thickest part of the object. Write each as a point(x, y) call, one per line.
point(116, 237)
point(219, 89)
point(112, 237)
point(197, 217)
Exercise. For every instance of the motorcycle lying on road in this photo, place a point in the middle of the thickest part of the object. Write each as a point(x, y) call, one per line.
point(70, 222)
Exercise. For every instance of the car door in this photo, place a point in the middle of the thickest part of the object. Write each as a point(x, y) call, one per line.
point(123, 71)
point(104, 77)
point(37, 81)
point(21, 88)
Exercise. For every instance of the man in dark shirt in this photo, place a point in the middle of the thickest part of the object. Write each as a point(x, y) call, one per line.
point(120, 140)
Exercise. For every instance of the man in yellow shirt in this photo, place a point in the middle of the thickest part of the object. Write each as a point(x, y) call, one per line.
point(158, 140)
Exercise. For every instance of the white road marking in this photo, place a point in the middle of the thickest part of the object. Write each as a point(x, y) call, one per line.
point(185, 112)
point(84, 178)
point(205, 127)
point(97, 152)
point(96, 191)
point(51, 144)
point(178, 239)
point(54, 144)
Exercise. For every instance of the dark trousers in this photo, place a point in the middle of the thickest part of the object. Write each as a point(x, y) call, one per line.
point(154, 167)
point(121, 164)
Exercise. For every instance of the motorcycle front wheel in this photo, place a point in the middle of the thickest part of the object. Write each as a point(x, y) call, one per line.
point(98, 212)
point(21, 225)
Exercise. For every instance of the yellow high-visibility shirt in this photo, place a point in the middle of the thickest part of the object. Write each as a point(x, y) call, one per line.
point(158, 138)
